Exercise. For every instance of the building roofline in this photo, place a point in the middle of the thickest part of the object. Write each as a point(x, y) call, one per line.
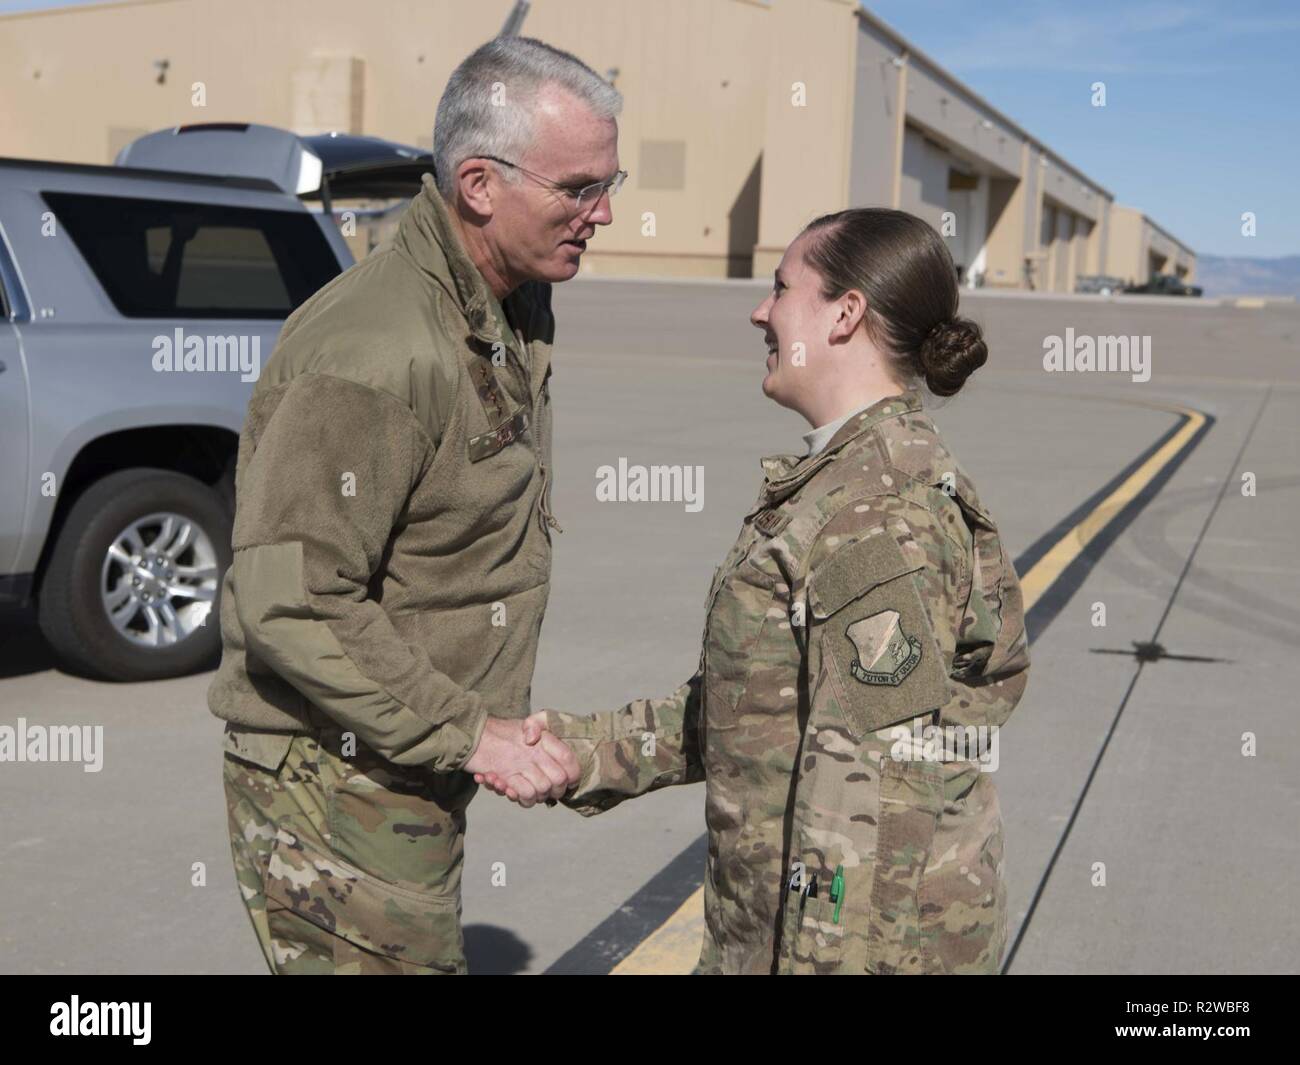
point(903, 44)
point(77, 8)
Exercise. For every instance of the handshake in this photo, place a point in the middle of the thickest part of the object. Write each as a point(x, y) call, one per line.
point(523, 760)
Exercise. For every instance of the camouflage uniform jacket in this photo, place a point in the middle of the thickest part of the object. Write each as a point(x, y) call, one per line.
point(868, 590)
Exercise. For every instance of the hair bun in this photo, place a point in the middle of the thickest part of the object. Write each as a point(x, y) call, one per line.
point(952, 351)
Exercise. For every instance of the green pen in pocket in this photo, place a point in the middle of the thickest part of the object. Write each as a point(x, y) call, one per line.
point(837, 891)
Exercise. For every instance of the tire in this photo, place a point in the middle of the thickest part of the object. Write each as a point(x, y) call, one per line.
point(95, 566)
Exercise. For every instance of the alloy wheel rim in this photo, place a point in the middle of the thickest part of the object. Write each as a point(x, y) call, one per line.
point(158, 580)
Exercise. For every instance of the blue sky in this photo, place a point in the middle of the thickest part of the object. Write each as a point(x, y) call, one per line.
point(1201, 120)
point(1202, 116)
point(36, 5)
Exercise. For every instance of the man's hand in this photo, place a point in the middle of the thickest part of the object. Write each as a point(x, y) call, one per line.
point(523, 761)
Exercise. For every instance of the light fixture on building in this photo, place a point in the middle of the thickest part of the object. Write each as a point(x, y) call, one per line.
point(986, 123)
point(162, 66)
point(611, 75)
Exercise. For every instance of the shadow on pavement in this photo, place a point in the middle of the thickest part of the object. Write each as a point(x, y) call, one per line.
point(494, 951)
point(23, 649)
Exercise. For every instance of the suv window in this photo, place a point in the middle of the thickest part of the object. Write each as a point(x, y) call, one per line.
point(168, 259)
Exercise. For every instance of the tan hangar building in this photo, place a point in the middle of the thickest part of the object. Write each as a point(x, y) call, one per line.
point(1139, 248)
point(744, 119)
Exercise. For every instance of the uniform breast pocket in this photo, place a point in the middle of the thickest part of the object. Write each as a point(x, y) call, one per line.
point(879, 655)
point(743, 603)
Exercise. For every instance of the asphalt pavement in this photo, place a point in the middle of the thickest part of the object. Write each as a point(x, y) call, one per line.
point(1140, 837)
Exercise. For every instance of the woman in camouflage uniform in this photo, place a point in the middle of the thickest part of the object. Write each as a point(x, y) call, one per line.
point(867, 597)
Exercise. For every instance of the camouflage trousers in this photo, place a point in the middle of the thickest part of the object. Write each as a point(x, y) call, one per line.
point(349, 864)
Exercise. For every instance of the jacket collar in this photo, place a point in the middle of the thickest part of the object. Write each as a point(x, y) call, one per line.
point(785, 474)
point(906, 402)
point(427, 236)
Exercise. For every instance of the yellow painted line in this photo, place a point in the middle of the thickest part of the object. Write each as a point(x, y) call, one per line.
point(674, 947)
point(1251, 302)
point(1049, 568)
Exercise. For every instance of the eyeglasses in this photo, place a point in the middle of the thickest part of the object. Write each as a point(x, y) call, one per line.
point(578, 195)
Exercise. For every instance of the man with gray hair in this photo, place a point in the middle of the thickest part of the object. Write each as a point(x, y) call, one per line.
point(392, 539)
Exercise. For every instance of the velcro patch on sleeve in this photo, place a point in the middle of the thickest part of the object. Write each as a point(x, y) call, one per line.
point(855, 569)
point(879, 653)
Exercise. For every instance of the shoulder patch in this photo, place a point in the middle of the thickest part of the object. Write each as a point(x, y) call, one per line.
point(880, 661)
point(885, 653)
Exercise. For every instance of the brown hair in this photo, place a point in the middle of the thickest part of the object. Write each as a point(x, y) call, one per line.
point(903, 268)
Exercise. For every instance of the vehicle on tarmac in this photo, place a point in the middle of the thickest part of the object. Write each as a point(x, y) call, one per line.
point(1099, 284)
point(1164, 285)
point(137, 304)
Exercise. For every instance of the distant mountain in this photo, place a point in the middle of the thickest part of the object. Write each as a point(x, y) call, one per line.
point(1236, 276)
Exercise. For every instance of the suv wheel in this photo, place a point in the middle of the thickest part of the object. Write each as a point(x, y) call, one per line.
point(131, 590)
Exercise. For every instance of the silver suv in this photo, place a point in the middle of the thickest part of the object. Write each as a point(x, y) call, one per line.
point(138, 303)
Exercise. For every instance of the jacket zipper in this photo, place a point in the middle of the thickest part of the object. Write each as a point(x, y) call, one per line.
point(546, 518)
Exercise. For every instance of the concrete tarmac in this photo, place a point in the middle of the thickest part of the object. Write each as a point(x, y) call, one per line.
point(1112, 765)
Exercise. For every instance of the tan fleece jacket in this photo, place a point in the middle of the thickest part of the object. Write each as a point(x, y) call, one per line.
point(392, 547)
